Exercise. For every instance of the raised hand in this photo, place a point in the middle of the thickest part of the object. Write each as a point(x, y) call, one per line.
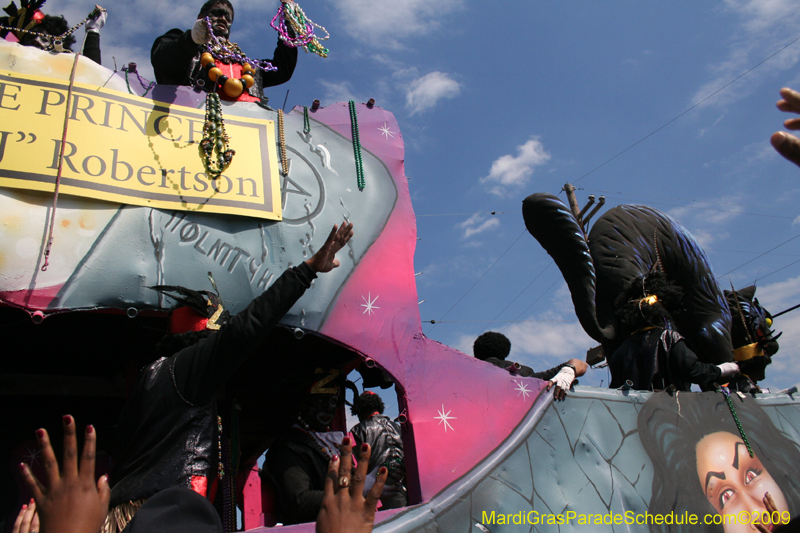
point(325, 259)
point(72, 502)
point(344, 507)
point(786, 144)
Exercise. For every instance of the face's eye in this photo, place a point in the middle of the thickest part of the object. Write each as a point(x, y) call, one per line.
point(751, 475)
point(724, 496)
point(769, 322)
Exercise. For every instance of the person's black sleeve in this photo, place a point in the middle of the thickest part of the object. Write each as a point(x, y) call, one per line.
point(91, 47)
point(172, 55)
point(285, 58)
point(686, 366)
point(301, 501)
point(201, 369)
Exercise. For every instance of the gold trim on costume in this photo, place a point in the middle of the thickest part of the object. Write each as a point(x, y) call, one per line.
point(745, 353)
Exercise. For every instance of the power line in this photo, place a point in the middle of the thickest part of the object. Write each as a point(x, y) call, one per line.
point(549, 264)
point(464, 214)
point(478, 280)
point(759, 256)
point(737, 78)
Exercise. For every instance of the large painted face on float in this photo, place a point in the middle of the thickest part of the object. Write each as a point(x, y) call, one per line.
point(733, 481)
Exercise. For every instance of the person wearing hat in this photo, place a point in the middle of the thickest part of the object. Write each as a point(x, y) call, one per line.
point(167, 434)
point(296, 463)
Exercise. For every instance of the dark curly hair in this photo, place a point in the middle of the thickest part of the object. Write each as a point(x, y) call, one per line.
point(491, 344)
point(368, 402)
point(634, 312)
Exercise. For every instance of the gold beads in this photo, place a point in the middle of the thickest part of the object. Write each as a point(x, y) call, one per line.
point(233, 88)
point(247, 68)
point(206, 58)
point(248, 79)
point(214, 73)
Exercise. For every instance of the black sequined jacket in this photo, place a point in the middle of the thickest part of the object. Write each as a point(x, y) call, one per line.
point(167, 433)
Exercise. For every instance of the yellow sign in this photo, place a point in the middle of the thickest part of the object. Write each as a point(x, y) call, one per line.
point(132, 150)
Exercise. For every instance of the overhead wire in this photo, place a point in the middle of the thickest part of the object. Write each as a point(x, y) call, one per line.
point(734, 80)
point(435, 322)
point(479, 279)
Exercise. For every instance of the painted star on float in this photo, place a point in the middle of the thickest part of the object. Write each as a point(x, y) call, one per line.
point(385, 131)
point(444, 417)
point(523, 389)
point(369, 304)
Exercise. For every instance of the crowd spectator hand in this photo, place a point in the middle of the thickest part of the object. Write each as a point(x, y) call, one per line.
point(200, 33)
point(27, 520)
point(345, 509)
point(71, 502)
point(325, 259)
point(563, 381)
point(98, 20)
point(786, 144)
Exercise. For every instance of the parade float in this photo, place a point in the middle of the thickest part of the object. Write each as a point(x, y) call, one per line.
point(105, 192)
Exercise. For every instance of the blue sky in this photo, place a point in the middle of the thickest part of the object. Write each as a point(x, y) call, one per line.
point(498, 100)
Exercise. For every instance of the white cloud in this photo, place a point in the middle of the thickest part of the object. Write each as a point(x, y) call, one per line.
point(388, 22)
point(514, 171)
point(425, 92)
point(337, 91)
point(477, 223)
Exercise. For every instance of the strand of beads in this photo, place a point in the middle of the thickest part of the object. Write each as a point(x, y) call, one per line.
point(56, 44)
point(725, 392)
point(282, 141)
point(290, 15)
point(215, 138)
point(228, 52)
point(356, 146)
point(131, 67)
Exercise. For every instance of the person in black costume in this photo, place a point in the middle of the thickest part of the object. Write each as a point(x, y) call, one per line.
point(41, 31)
point(383, 436)
point(176, 54)
point(655, 356)
point(167, 433)
point(297, 462)
point(493, 347)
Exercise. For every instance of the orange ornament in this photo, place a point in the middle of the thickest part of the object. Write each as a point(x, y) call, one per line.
point(233, 88)
point(248, 68)
point(206, 58)
point(214, 73)
point(248, 79)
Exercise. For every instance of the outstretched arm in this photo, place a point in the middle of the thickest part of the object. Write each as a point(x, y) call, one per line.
point(786, 144)
point(202, 368)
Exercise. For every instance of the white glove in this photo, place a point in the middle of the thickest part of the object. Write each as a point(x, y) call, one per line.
point(728, 370)
point(200, 33)
point(94, 24)
point(564, 378)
